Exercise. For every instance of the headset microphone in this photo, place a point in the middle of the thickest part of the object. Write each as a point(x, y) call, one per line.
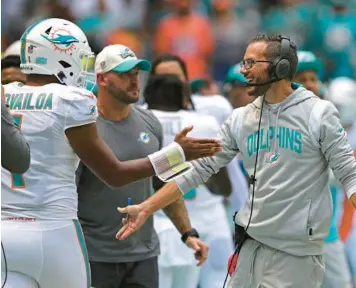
point(238, 83)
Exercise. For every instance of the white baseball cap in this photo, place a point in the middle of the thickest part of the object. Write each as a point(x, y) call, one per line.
point(119, 58)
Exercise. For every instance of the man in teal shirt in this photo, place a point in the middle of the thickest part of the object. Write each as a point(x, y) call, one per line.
point(337, 273)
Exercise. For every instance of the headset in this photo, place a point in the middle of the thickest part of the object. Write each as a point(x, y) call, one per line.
point(279, 69)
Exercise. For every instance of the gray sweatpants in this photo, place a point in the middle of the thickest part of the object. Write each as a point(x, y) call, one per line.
point(260, 266)
point(337, 272)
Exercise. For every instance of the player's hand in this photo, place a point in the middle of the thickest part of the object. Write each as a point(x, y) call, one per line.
point(353, 200)
point(197, 148)
point(137, 216)
point(200, 248)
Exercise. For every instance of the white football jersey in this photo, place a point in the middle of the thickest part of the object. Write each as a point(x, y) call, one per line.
point(204, 127)
point(219, 107)
point(48, 189)
point(215, 105)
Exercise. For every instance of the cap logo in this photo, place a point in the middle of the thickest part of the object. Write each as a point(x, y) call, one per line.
point(126, 53)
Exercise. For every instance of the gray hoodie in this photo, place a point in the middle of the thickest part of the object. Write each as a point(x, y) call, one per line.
point(299, 138)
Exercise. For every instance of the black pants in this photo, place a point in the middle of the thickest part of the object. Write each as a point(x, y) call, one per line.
point(141, 274)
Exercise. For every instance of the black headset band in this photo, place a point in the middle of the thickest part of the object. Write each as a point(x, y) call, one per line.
point(285, 47)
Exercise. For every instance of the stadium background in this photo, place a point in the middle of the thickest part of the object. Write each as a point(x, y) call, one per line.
point(325, 27)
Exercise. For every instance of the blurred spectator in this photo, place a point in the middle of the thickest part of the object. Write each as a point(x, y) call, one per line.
point(232, 30)
point(13, 50)
point(10, 65)
point(126, 22)
point(289, 17)
point(10, 70)
point(172, 64)
point(236, 94)
point(11, 12)
point(342, 93)
point(188, 35)
point(333, 38)
point(310, 70)
point(204, 86)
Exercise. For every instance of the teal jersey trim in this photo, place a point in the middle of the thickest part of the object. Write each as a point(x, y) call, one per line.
point(80, 235)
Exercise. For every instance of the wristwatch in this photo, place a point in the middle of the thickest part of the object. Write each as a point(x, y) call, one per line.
point(190, 233)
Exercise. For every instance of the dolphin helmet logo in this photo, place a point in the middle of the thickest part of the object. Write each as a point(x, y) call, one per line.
point(61, 39)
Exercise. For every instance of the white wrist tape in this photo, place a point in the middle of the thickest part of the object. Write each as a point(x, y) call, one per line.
point(169, 162)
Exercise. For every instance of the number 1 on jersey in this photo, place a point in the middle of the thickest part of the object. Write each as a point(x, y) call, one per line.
point(17, 180)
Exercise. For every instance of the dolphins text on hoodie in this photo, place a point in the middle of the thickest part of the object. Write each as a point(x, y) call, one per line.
point(299, 138)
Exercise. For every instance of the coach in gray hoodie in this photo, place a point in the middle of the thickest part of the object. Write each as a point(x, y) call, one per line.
point(287, 215)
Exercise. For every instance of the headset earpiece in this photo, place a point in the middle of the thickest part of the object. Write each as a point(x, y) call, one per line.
point(280, 67)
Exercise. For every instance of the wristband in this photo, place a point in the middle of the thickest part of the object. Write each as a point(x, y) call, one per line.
point(169, 162)
point(191, 233)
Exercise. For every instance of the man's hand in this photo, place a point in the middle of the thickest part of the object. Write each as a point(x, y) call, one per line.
point(137, 216)
point(200, 248)
point(197, 148)
point(353, 200)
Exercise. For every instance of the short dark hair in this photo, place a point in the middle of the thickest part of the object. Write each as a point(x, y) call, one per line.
point(10, 61)
point(274, 50)
point(167, 57)
point(164, 90)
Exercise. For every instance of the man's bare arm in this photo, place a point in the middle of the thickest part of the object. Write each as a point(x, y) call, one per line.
point(178, 214)
point(97, 156)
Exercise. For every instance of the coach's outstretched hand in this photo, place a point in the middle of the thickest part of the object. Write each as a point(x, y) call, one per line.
point(195, 148)
point(137, 216)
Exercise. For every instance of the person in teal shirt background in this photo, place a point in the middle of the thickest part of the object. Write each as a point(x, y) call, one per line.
point(333, 37)
point(337, 274)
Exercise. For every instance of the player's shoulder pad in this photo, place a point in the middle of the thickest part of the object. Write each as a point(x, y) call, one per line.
point(77, 105)
point(75, 93)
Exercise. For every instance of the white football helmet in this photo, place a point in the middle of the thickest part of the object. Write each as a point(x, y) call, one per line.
point(342, 92)
point(56, 47)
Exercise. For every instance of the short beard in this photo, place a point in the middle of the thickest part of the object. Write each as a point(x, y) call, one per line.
point(121, 95)
point(257, 91)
